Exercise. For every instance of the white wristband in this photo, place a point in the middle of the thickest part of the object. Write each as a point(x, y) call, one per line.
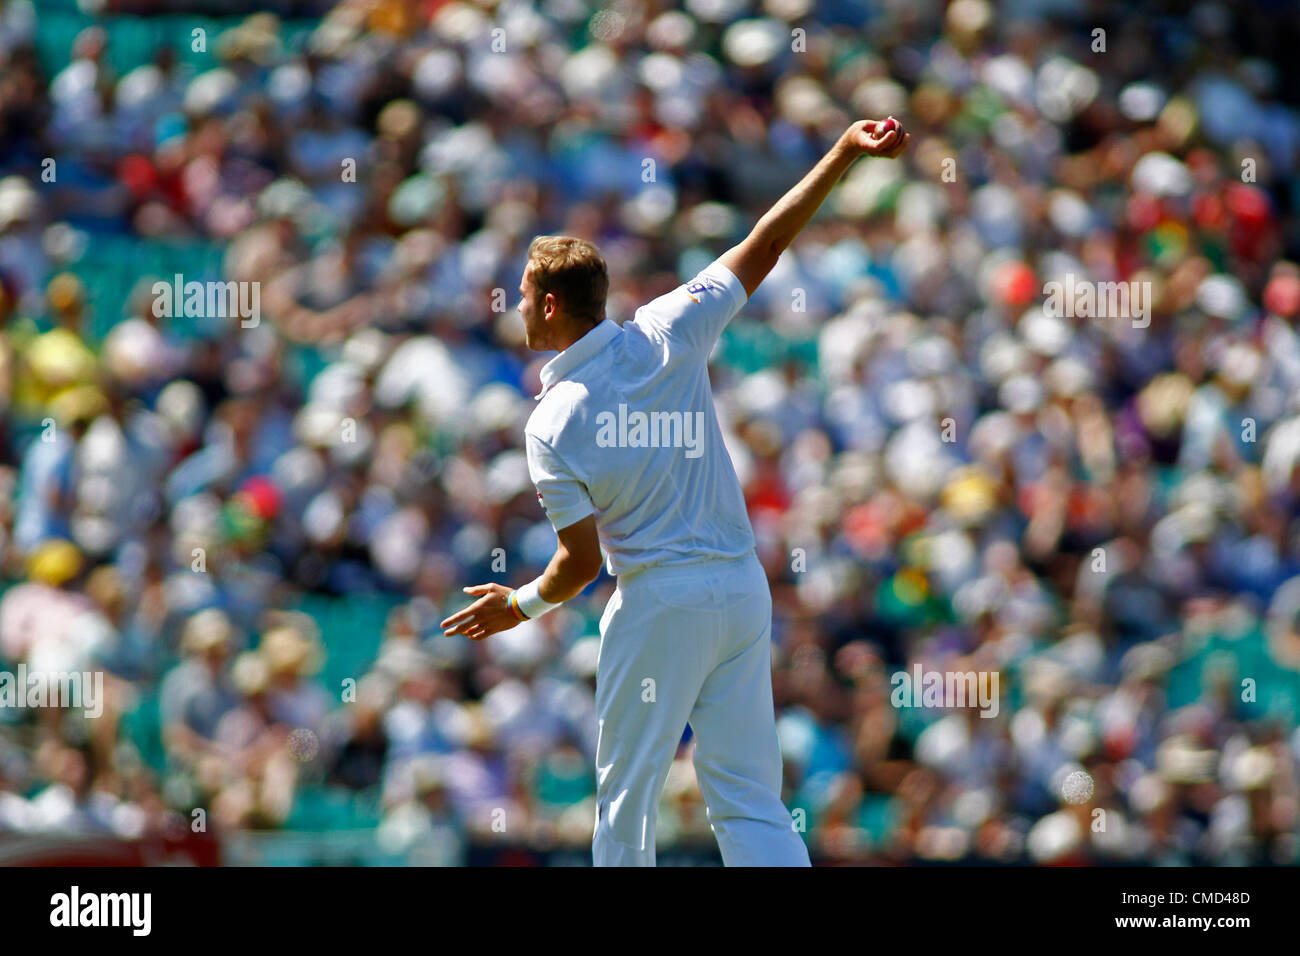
point(531, 602)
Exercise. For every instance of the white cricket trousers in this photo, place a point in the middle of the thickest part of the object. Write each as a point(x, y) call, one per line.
point(690, 644)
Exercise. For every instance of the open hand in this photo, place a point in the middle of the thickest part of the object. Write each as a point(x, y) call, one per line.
point(486, 616)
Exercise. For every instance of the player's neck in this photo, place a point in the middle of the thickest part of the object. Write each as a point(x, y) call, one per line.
point(569, 338)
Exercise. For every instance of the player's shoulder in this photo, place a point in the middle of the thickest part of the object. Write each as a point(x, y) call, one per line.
point(714, 284)
point(563, 408)
point(672, 303)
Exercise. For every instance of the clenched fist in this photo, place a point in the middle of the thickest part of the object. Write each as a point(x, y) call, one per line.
point(884, 137)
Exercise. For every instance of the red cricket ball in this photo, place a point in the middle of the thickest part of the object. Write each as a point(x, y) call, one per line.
point(885, 125)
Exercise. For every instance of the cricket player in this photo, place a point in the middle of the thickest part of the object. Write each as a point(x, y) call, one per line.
point(627, 455)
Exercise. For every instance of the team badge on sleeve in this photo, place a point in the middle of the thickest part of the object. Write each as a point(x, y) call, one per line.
point(699, 285)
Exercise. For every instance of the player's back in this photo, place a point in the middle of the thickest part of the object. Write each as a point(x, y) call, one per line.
point(626, 430)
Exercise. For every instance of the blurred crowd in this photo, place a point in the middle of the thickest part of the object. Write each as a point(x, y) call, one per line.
point(940, 471)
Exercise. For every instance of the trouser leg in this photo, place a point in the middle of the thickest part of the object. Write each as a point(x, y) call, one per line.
point(737, 754)
point(651, 666)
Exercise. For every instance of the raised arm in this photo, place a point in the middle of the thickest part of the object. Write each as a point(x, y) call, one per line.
point(753, 259)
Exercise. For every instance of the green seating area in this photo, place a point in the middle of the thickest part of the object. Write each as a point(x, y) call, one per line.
point(143, 727)
point(290, 848)
point(352, 629)
point(112, 265)
point(318, 808)
point(748, 346)
point(133, 41)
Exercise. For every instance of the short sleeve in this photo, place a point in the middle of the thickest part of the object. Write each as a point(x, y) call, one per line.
point(563, 496)
point(695, 313)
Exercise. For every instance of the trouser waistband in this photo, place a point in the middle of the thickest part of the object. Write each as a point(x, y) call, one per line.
point(668, 572)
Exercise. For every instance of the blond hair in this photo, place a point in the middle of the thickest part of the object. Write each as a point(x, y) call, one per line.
point(573, 270)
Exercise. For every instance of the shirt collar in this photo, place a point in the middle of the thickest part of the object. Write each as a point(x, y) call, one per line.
point(579, 352)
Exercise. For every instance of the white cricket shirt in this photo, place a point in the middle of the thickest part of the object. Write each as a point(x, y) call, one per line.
point(625, 429)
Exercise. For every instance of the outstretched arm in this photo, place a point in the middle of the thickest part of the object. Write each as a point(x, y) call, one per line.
point(575, 564)
point(753, 259)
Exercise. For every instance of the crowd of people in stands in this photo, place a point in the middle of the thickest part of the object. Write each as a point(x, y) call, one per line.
point(944, 472)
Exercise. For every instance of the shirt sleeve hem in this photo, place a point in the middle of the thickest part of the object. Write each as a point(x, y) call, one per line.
point(735, 288)
point(570, 516)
